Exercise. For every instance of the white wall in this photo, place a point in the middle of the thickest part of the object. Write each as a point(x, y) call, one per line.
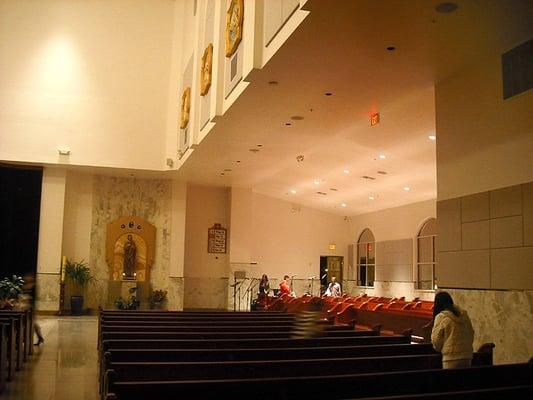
point(483, 141)
point(289, 239)
point(90, 75)
point(77, 216)
point(205, 207)
point(393, 223)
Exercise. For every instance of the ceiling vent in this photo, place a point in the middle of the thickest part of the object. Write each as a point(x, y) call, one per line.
point(322, 193)
point(370, 178)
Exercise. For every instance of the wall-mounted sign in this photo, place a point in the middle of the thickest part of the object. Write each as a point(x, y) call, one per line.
point(216, 239)
point(374, 119)
point(332, 246)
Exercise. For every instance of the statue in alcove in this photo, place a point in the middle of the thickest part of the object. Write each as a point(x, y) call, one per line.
point(130, 255)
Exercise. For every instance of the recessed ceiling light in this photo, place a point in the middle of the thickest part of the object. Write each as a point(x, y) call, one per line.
point(406, 188)
point(273, 82)
point(316, 182)
point(334, 189)
point(288, 124)
point(254, 150)
point(370, 178)
point(259, 145)
point(238, 161)
point(382, 172)
point(445, 8)
point(328, 94)
point(343, 205)
point(391, 48)
point(297, 117)
point(371, 198)
point(322, 193)
point(346, 171)
point(292, 191)
point(382, 156)
point(227, 170)
point(432, 137)
point(300, 158)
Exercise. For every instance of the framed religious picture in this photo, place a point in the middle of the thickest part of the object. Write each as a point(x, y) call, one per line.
point(234, 22)
point(185, 108)
point(206, 69)
point(216, 239)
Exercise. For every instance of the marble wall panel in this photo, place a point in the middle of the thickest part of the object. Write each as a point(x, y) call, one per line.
point(449, 225)
point(115, 197)
point(506, 232)
point(506, 202)
point(475, 207)
point(475, 235)
point(504, 318)
point(512, 268)
point(47, 292)
point(527, 213)
point(209, 293)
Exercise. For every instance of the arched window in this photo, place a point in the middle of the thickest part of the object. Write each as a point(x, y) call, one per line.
point(366, 258)
point(425, 263)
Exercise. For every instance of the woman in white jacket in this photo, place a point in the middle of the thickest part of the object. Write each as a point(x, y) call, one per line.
point(452, 333)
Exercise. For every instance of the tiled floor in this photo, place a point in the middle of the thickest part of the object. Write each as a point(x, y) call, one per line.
point(64, 367)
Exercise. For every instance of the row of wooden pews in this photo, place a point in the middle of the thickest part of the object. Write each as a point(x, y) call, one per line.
point(16, 336)
point(387, 315)
point(209, 355)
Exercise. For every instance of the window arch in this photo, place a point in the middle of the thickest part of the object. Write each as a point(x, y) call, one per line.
point(366, 258)
point(425, 257)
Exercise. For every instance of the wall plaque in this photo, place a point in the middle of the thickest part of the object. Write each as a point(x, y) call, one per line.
point(216, 239)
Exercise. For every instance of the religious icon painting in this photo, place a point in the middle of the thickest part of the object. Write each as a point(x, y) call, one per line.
point(234, 23)
point(185, 108)
point(206, 70)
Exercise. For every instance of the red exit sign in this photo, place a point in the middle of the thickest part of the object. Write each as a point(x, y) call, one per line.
point(374, 119)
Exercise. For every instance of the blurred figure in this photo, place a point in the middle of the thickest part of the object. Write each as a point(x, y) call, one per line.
point(334, 288)
point(308, 323)
point(27, 300)
point(452, 334)
point(284, 287)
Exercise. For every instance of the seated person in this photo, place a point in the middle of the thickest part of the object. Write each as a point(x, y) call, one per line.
point(284, 287)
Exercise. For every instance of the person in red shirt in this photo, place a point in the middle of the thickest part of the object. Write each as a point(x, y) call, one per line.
point(284, 287)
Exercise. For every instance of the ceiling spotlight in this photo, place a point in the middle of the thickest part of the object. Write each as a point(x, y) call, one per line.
point(297, 117)
point(382, 156)
point(328, 94)
point(432, 137)
point(346, 171)
point(273, 82)
point(391, 48)
point(259, 145)
point(382, 172)
point(300, 158)
point(227, 170)
point(254, 150)
point(238, 161)
point(316, 182)
point(343, 205)
point(292, 191)
point(406, 188)
point(371, 198)
point(288, 124)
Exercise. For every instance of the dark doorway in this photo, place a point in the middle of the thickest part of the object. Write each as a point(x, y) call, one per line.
point(330, 266)
point(20, 206)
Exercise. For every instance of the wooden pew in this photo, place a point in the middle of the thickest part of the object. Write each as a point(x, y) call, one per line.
point(511, 392)
point(207, 370)
point(16, 345)
point(331, 386)
point(3, 355)
point(27, 326)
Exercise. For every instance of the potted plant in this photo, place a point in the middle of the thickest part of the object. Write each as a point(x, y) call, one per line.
point(157, 298)
point(131, 304)
point(9, 291)
point(79, 273)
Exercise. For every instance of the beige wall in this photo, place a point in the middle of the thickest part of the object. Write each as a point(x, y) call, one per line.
point(393, 223)
point(90, 75)
point(483, 141)
point(205, 274)
point(289, 239)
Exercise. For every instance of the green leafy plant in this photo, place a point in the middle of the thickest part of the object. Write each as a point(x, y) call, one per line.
point(10, 290)
point(79, 273)
point(131, 304)
point(157, 297)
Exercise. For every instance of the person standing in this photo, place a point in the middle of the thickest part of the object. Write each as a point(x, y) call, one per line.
point(264, 288)
point(334, 288)
point(452, 334)
point(284, 287)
